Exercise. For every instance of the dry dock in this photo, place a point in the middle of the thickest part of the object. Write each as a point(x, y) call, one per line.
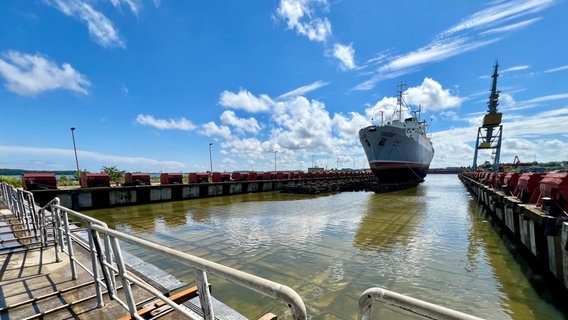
point(56, 268)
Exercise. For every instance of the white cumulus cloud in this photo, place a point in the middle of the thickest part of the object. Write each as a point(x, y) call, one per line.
point(300, 16)
point(212, 129)
point(163, 124)
point(29, 75)
point(431, 96)
point(241, 125)
point(245, 100)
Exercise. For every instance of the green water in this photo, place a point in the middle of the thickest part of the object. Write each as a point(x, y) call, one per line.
point(431, 242)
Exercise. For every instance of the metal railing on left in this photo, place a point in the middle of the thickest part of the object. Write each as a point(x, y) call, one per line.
point(108, 264)
point(21, 203)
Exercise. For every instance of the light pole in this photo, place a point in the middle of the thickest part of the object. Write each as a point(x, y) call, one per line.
point(210, 158)
point(75, 149)
point(275, 152)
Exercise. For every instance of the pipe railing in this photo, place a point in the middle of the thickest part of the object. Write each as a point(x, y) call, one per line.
point(202, 266)
point(66, 238)
point(400, 301)
point(21, 203)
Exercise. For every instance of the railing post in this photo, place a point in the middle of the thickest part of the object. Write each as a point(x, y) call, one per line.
point(109, 272)
point(96, 271)
point(57, 232)
point(121, 273)
point(70, 249)
point(32, 207)
point(41, 225)
point(28, 207)
point(14, 202)
point(366, 306)
point(204, 295)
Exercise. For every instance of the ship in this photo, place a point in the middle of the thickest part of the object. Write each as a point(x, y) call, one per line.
point(400, 151)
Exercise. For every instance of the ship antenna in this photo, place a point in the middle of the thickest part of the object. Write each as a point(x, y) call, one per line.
point(382, 118)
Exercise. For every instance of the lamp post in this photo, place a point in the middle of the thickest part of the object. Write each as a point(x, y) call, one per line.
point(75, 149)
point(210, 158)
point(275, 152)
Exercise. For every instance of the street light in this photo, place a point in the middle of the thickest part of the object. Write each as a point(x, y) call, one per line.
point(210, 158)
point(75, 149)
point(275, 152)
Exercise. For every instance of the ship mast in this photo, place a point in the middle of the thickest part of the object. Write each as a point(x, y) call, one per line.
point(400, 101)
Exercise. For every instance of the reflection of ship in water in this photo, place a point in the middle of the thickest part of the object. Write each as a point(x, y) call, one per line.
point(391, 220)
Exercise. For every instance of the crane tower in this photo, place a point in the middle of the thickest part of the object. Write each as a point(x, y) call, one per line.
point(489, 135)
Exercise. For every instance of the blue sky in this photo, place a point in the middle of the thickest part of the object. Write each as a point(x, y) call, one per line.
point(148, 85)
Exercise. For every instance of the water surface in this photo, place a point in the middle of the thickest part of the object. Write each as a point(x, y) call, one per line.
point(431, 242)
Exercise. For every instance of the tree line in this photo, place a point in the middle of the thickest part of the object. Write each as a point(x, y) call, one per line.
point(17, 172)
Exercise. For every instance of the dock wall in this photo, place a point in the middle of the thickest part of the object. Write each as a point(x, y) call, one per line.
point(540, 235)
point(106, 197)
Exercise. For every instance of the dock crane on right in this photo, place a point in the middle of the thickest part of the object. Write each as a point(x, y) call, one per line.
point(490, 133)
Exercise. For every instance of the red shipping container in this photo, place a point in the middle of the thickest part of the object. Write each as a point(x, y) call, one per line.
point(171, 178)
point(39, 181)
point(94, 180)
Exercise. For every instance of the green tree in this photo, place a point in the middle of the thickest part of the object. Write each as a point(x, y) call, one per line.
point(114, 173)
point(64, 181)
point(77, 175)
point(14, 182)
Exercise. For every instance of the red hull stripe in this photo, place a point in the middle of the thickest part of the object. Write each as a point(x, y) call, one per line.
point(396, 165)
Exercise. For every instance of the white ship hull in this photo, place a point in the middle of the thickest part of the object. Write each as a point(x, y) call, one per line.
point(398, 152)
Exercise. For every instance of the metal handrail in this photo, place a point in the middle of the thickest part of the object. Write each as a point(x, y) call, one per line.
point(65, 238)
point(107, 259)
point(416, 306)
point(108, 263)
point(21, 203)
point(269, 288)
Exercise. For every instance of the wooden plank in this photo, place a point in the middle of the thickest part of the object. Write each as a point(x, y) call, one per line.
point(268, 316)
point(178, 298)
